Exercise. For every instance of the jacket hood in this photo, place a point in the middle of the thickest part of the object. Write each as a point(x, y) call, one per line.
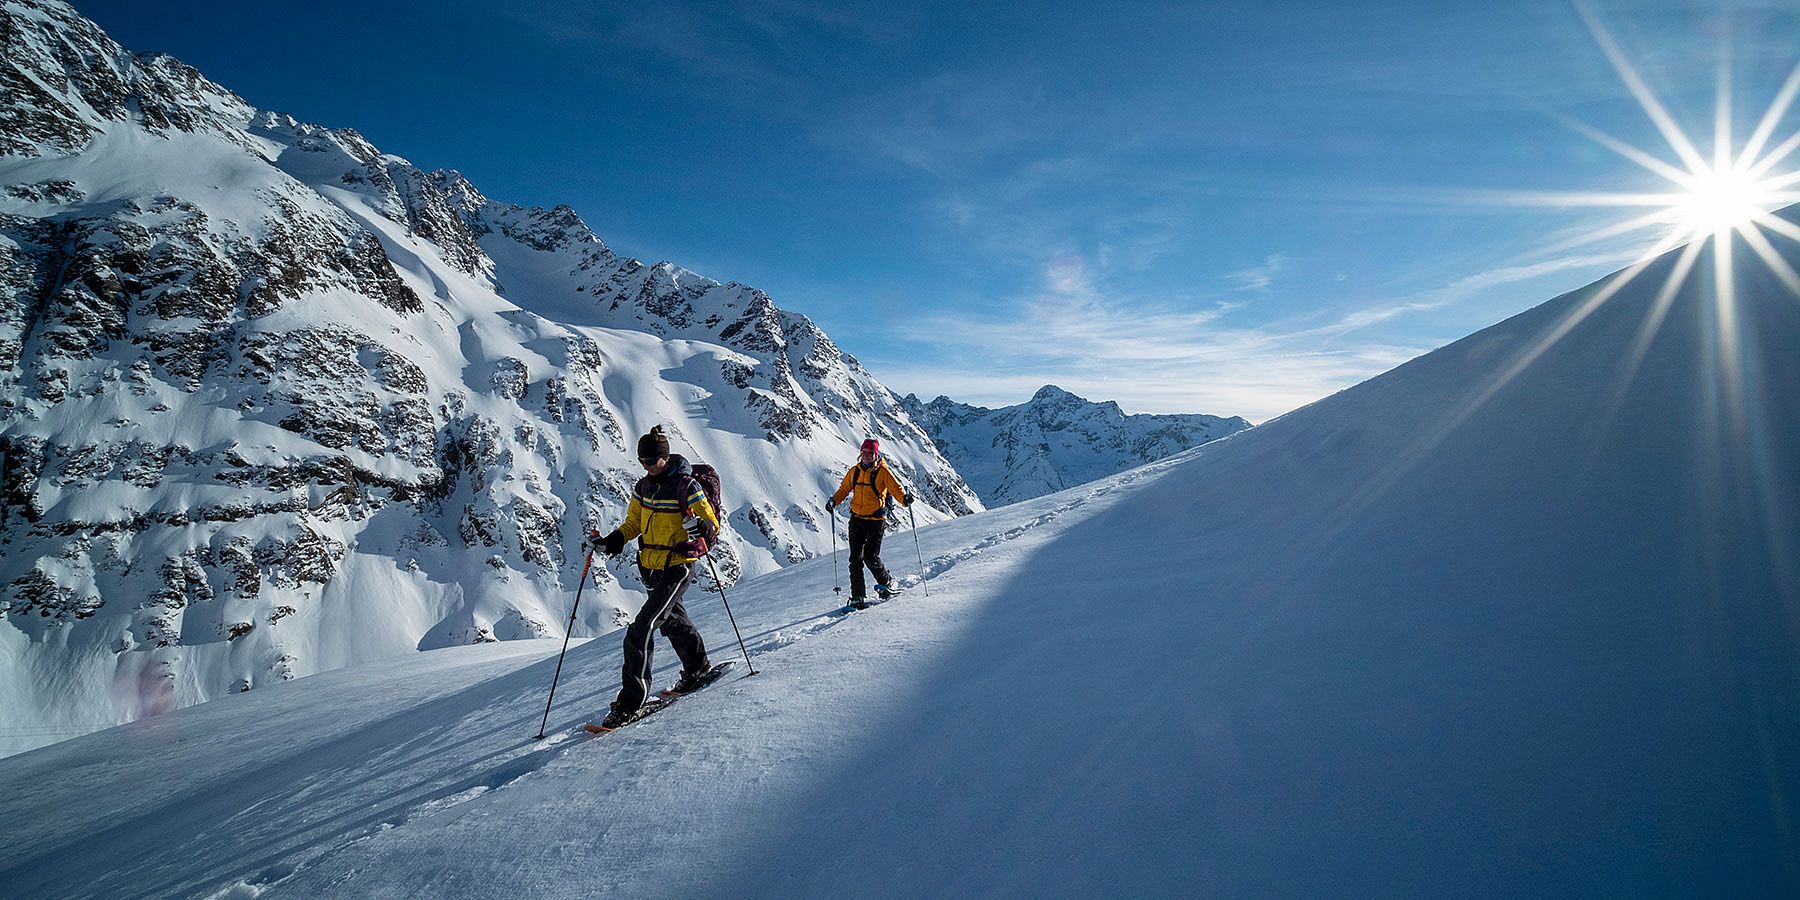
point(678, 468)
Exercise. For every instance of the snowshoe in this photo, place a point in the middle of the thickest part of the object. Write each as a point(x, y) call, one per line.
point(693, 681)
point(617, 718)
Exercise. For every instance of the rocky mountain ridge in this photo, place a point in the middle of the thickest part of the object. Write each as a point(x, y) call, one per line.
point(277, 402)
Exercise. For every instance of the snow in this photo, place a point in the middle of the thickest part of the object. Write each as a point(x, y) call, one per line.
point(1472, 628)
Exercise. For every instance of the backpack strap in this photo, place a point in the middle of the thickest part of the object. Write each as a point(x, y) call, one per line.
point(695, 484)
point(874, 478)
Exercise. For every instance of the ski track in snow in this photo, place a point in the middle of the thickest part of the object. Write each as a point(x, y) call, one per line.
point(433, 804)
point(541, 754)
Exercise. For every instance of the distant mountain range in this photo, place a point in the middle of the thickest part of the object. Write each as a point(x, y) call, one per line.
point(1055, 440)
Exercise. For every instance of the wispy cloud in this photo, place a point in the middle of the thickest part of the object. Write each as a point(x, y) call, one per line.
point(1181, 356)
point(1468, 286)
point(1225, 371)
point(1150, 357)
point(1258, 278)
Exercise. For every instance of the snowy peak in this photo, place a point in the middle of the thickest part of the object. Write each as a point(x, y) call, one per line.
point(808, 385)
point(460, 193)
point(341, 159)
point(1055, 440)
point(1054, 408)
point(65, 81)
point(1050, 393)
point(544, 230)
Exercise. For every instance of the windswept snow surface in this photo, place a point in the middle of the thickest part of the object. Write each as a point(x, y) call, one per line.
point(1473, 628)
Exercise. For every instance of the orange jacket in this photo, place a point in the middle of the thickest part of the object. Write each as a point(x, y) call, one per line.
point(868, 488)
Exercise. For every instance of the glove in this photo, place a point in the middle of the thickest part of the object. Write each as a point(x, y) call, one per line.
point(612, 544)
point(695, 548)
point(831, 506)
point(700, 529)
point(906, 500)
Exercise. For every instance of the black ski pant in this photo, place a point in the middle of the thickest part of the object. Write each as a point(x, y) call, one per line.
point(664, 611)
point(865, 549)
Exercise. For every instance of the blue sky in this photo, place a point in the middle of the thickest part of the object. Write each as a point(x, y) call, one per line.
point(1232, 208)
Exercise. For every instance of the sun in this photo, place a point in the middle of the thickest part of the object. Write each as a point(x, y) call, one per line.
point(1713, 203)
point(1718, 201)
point(1711, 206)
point(1724, 197)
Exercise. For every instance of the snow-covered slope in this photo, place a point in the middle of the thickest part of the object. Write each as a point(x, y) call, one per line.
point(1484, 626)
point(276, 402)
point(1054, 440)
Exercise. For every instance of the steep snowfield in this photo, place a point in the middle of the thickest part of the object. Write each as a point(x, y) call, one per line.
point(1519, 618)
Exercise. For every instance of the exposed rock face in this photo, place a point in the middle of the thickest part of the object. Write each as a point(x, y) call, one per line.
point(1055, 440)
point(273, 401)
point(65, 81)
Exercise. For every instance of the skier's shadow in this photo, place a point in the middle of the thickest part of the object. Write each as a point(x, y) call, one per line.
point(399, 805)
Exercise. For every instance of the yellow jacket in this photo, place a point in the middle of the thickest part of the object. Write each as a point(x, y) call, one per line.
point(868, 488)
point(655, 514)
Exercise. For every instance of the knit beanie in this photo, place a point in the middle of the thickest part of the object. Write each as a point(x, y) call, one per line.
point(654, 445)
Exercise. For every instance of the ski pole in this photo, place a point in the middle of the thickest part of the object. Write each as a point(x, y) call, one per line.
point(734, 628)
point(565, 650)
point(831, 513)
point(915, 531)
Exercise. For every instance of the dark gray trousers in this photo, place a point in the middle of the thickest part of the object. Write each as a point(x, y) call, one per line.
point(865, 549)
point(663, 611)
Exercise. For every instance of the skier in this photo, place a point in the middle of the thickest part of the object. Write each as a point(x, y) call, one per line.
point(869, 484)
point(675, 525)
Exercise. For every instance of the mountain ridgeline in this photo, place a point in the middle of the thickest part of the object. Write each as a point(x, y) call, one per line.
point(1055, 440)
